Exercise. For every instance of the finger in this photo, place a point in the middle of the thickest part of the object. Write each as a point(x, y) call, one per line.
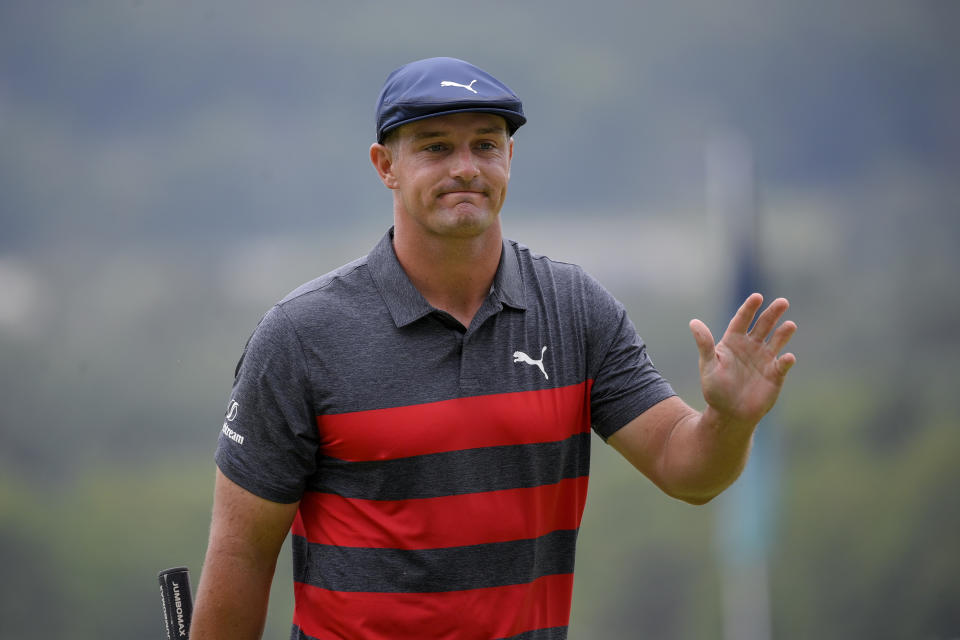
point(769, 318)
point(704, 339)
point(784, 363)
point(782, 336)
point(744, 316)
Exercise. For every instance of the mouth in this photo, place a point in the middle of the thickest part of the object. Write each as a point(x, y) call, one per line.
point(468, 191)
point(461, 195)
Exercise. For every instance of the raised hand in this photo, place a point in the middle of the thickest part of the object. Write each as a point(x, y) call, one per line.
point(741, 375)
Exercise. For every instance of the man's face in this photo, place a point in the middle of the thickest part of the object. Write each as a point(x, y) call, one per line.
point(450, 172)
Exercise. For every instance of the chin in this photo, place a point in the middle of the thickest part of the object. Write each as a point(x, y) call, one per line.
point(466, 225)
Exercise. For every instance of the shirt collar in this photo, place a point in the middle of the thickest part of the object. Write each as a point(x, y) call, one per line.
point(404, 301)
point(508, 283)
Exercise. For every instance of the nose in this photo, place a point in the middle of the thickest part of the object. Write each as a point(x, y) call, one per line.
point(464, 164)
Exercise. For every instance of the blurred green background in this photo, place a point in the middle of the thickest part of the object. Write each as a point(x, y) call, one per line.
point(168, 170)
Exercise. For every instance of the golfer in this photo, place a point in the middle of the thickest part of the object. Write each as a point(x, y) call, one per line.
point(419, 420)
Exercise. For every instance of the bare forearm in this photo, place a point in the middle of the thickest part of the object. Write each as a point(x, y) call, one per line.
point(231, 598)
point(246, 533)
point(703, 455)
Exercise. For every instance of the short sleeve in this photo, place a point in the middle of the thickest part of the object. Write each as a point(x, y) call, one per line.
point(268, 440)
point(625, 382)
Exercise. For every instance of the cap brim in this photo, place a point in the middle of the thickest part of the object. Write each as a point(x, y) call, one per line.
point(514, 121)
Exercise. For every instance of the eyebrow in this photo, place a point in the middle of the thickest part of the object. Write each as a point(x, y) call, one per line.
point(441, 133)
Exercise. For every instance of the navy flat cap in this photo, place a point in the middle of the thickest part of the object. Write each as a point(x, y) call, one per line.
point(438, 86)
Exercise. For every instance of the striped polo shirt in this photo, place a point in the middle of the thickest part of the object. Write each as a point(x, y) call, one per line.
point(441, 470)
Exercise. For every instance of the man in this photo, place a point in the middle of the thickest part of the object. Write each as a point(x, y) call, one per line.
point(419, 420)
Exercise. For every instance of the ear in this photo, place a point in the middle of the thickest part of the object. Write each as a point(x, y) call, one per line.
point(509, 157)
point(382, 158)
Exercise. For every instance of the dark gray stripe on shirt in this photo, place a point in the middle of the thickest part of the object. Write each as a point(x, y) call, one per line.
point(433, 570)
point(553, 633)
point(456, 472)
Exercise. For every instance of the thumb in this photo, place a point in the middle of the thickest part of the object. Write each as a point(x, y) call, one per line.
point(704, 339)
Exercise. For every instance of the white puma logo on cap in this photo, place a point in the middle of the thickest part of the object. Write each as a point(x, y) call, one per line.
point(468, 87)
point(520, 356)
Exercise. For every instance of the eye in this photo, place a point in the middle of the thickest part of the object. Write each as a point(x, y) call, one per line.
point(486, 146)
point(436, 147)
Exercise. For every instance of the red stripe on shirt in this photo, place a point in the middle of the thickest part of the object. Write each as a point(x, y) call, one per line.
point(523, 417)
point(476, 614)
point(448, 521)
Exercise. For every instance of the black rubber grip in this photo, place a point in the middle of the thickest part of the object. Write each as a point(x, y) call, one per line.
point(177, 602)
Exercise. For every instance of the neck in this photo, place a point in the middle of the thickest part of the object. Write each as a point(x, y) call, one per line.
point(452, 274)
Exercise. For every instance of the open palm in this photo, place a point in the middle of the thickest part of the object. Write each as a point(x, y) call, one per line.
point(741, 375)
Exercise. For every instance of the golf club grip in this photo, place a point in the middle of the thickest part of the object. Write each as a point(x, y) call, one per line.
point(177, 602)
